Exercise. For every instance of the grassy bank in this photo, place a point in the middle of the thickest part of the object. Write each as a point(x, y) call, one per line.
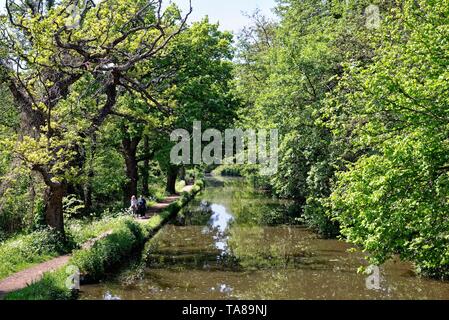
point(228, 170)
point(125, 235)
point(24, 251)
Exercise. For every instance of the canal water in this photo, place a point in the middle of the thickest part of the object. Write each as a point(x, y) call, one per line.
point(228, 244)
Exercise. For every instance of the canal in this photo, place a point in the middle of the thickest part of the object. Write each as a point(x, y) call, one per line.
point(235, 242)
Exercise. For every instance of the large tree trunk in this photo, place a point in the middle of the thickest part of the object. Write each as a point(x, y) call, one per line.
point(88, 192)
point(146, 168)
point(87, 188)
point(53, 206)
point(182, 173)
point(130, 188)
point(172, 174)
point(132, 173)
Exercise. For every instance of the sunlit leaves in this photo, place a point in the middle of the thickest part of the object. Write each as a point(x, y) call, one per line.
point(394, 199)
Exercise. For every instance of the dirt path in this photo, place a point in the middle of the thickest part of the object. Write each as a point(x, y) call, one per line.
point(25, 277)
point(158, 207)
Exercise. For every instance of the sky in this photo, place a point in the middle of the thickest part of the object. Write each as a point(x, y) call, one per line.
point(227, 12)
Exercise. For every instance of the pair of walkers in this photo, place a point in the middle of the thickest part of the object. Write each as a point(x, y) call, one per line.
point(139, 206)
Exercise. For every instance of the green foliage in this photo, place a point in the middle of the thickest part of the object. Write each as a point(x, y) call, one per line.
point(228, 170)
point(107, 187)
point(180, 185)
point(199, 184)
point(72, 207)
point(298, 63)
point(21, 202)
point(401, 202)
point(51, 287)
point(393, 199)
point(39, 215)
point(22, 251)
point(363, 120)
point(201, 88)
point(126, 235)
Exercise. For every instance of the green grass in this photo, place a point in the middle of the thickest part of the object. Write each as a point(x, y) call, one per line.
point(52, 286)
point(127, 234)
point(24, 251)
point(82, 231)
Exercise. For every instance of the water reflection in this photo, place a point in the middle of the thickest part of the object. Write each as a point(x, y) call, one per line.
point(218, 225)
point(220, 218)
point(109, 296)
point(268, 247)
point(225, 247)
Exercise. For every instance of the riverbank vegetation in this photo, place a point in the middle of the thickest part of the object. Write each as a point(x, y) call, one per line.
point(21, 252)
point(124, 236)
point(361, 102)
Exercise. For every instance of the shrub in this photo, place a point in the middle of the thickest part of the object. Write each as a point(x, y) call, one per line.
point(52, 286)
point(105, 253)
point(22, 251)
point(395, 203)
point(228, 170)
point(84, 230)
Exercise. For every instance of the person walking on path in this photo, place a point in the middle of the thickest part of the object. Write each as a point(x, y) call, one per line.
point(141, 206)
point(134, 204)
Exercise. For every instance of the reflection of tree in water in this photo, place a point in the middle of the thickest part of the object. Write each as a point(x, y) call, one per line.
point(272, 285)
point(265, 212)
point(196, 215)
point(278, 214)
point(215, 183)
point(256, 248)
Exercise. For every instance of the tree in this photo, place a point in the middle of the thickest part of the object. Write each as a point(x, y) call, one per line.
point(101, 53)
point(200, 88)
point(393, 199)
point(192, 77)
point(299, 63)
point(136, 124)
